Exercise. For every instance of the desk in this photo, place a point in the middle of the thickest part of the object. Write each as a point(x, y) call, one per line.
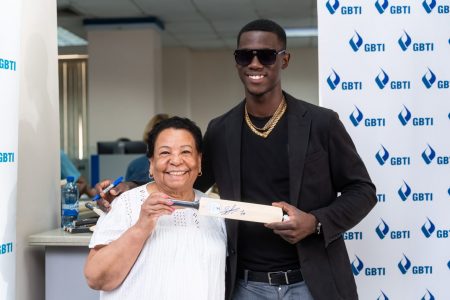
point(65, 255)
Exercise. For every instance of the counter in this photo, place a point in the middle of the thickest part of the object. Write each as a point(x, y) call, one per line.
point(65, 255)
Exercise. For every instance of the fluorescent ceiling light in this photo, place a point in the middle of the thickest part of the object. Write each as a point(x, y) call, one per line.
point(67, 38)
point(301, 32)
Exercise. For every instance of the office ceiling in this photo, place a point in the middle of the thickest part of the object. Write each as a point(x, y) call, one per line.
point(196, 24)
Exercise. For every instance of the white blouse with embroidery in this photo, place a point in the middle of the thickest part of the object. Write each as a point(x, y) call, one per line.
point(184, 258)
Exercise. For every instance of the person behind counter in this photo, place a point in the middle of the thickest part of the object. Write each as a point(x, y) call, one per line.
point(69, 169)
point(145, 248)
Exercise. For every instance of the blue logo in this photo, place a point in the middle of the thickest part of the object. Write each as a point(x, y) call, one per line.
point(382, 296)
point(448, 264)
point(7, 64)
point(404, 41)
point(333, 80)
point(357, 266)
point(428, 228)
point(404, 191)
point(382, 79)
point(356, 41)
point(428, 155)
point(429, 79)
point(404, 265)
point(404, 116)
point(428, 296)
point(332, 7)
point(356, 116)
point(353, 235)
point(6, 157)
point(382, 229)
point(381, 5)
point(429, 5)
point(382, 155)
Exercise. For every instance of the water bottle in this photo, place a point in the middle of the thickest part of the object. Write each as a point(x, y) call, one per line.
point(69, 202)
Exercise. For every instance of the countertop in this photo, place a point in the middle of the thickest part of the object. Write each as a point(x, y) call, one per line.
point(58, 237)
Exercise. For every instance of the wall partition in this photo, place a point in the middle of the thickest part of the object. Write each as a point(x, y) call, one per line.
point(9, 103)
point(384, 66)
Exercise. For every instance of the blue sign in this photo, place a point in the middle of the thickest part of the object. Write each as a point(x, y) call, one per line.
point(429, 79)
point(428, 155)
point(357, 266)
point(404, 264)
point(382, 229)
point(428, 228)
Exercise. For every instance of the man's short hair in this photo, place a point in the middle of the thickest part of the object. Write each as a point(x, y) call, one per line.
point(264, 25)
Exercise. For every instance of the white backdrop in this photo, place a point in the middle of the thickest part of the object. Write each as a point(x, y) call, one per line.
point(384, 66)
point(9, 99)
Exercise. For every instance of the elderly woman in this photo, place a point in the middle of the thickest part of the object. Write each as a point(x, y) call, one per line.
point(145, 248)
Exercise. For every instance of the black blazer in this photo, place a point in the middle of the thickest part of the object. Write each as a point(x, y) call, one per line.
point(322, 163)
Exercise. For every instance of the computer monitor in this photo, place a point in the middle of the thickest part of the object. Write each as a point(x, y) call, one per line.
point(121, 147)
point(135, 147)
point(107, 147)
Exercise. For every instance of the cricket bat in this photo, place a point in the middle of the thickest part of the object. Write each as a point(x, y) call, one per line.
point(234, 210)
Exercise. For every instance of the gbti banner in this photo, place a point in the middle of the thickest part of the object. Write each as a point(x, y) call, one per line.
point(384, 66)
point(9, 98)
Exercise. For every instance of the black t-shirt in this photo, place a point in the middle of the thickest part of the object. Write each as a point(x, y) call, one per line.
point(264, 179)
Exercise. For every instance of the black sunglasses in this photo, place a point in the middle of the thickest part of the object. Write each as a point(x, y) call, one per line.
point(266, 57)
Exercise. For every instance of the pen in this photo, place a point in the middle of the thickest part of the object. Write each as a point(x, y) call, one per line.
point(98, 211)
point(109, 187)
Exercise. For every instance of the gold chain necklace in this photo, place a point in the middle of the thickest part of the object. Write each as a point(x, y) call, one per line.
point(270, 125)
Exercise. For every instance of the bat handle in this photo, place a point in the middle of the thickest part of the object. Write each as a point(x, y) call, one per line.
point(191, 204)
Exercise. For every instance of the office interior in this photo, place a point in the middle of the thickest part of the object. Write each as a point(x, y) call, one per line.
point(127, 72)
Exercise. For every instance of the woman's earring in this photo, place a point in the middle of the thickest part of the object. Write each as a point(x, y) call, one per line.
point(200, 173)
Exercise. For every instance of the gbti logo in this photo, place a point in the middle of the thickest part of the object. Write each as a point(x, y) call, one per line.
point(429, 5)
point(382, 79)
point(382, 296)
point(333, 80)
point(428, 228)
point(381, 5)
point(404, 191)
point(405, 115)
point(332, 6)
point(356, 116)
point(404, 41)
point(428, 155)
point(404, 265)
point(356, 41)
point(429, 79)
point(428, 296)
point(357, 266)
point(382, 229)
point(382, 155)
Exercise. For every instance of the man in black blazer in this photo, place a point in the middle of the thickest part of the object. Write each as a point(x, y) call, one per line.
point(274, 149)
